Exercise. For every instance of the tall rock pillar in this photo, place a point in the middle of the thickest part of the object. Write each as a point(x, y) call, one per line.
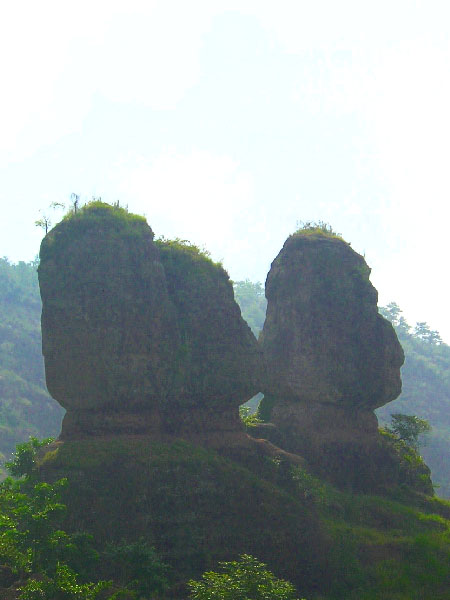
point(109, 335)
point(331, 358)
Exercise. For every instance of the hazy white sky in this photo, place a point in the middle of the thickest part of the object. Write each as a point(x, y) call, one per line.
point(227, 122)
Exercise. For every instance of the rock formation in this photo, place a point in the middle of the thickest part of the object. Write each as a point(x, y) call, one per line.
point(331, 359)
point(146, 349)
point(139, 343)
point(218, 361)
point(109, 335)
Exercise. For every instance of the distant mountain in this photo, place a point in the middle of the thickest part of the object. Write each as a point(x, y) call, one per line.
point(26, 409)
point(426, 391)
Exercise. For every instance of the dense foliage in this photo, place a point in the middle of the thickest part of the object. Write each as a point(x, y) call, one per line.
point(42, 561)
point(409, 428)
point(246, 578)
point(34, 550)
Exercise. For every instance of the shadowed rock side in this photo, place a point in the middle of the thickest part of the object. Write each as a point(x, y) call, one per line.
point(218, 364)
point(331, 359)
point(109, 335)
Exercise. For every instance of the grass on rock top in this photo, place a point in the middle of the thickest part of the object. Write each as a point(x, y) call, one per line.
point(319, 228)
point(98, 209)
point(94, 216)
point(185, 247)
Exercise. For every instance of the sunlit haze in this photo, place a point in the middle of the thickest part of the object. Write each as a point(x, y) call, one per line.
point(226, 123)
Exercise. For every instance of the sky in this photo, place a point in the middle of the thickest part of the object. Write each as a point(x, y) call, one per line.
point(229, 122)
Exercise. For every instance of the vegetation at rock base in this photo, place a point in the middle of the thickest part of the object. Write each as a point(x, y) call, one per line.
point(42, 561)
point(375, 548)
point(408, 428)
point(244, 578)
point(425, 392)
point(34, 550)
point(249, 418)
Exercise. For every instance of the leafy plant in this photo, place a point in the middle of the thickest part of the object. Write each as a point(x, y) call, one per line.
point(31, 537)
point(316, 227)
point(408, 428)
point(245, 579)
point(138, 567)
point(23, 462)
point(62, 586)
point(249, 418)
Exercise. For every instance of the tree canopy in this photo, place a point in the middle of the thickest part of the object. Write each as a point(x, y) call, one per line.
point(243, 579)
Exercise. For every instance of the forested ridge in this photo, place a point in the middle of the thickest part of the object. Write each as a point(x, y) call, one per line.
point(426, 391)
point(27, 409)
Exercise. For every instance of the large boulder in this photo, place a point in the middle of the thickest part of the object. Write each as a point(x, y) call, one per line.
point(109, 334)
point(324, 340)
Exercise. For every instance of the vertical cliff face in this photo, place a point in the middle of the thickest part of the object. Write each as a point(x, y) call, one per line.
point(330, 359)
point(323, 337)
point(108, 326)
point(218, 362)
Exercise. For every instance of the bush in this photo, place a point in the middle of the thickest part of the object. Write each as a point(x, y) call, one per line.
point(246, 579)
point(408, 428)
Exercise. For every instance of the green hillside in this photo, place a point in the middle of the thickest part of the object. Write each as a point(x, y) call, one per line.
point(26, 409)
point(426, 392)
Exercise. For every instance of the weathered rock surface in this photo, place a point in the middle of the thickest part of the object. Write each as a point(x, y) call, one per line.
point(323, 338)
point(139, 339)
point(109, 336)
point(331, 359)
point(146, 348)
point(218, 364)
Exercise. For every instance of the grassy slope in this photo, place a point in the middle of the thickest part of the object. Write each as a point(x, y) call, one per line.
point(198, 507)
